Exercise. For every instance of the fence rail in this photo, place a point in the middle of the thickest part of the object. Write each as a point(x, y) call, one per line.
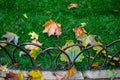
point(46, 51)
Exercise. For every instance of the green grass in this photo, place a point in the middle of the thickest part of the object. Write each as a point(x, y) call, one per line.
point(98, 14)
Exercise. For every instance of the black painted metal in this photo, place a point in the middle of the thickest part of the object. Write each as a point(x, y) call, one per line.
point(46, 51)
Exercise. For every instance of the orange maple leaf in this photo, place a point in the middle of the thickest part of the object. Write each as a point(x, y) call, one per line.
point(72, 5)
point(70, 72)
point(80, 31)
point(52, 28)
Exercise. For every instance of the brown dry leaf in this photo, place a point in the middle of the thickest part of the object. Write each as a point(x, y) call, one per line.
point(31, 47)
point(116, 11)
point(16, 64)
point(96, 64)
point(3, 45)
point(11, 76)
point(58, 76)
point(52, 28)
point(70, 72)
point(73, 5)
point(80, 31)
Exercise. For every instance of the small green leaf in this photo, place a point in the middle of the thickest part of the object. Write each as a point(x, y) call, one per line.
point(34, 35)
point(83, 24)
point(25, 15)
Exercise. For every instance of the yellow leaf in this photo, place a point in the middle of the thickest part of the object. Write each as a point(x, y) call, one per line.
point(98, 49)
point(70, 72)
point(96, 64)
point(3, 45)
point(20, 76)
point(3, 68)
point(35, 75)
point(34, 35)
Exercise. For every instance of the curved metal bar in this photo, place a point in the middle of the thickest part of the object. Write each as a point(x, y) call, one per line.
point(70, 62)
point(85, 49)
point(20, 45)
point(40, 54)
point(112, 58)
point(114, 42)
point(57, 49)
point(8, 54)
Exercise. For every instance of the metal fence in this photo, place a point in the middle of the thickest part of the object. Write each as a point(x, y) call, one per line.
point(107, 58)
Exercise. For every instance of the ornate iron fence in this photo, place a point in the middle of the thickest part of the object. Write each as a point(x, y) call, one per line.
point(84, 50)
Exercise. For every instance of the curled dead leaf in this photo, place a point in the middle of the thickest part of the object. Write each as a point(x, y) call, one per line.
point(58, 76)
point(72, 5)
point(30, 47)
point(11, 37)
point(52, 28)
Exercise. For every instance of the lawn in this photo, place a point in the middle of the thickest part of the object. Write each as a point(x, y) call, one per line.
point(99, 15)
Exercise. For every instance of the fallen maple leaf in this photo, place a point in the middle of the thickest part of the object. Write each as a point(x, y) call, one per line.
point(34, 35)
point(11, 37)
point(72, 5)
point(80, 31)
point(52, 28)
point(35, 75)
point(70, 72)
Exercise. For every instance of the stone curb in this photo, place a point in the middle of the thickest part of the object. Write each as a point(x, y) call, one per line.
point(86, 75)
